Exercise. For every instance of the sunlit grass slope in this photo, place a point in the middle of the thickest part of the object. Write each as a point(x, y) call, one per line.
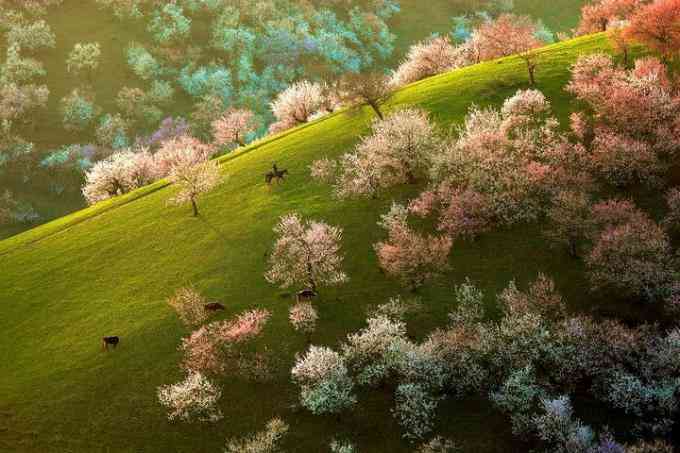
point(107, 270)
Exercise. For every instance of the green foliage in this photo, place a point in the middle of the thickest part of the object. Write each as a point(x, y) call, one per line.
point(78, 111)
point(169, 24)
point(142, 63)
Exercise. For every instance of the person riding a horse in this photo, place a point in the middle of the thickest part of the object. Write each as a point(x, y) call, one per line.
point(275, 174)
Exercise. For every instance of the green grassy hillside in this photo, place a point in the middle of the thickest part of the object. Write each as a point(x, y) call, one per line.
point(77, 21)
point(108, 270)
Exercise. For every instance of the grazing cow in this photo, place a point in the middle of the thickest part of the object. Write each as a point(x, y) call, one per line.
point(306, 295)
point(106, 341)
point(213, 306)
point(275, 174)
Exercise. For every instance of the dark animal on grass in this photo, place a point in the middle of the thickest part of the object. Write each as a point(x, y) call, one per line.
point(213, 306)
point(306, 295)
point(275, 174)
point(113, 341)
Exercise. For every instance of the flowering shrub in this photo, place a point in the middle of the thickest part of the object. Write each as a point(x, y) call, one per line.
point(214, 348)
point(408, 256)
point(557, 427)
point(303, 317)
point(112, 131)
point(78, 111)
point(189, 305)
point(296, 104)
point(570, 219)
point(428, 58)
point(324, 170)
point(181, 151)
point(266, 441)
point(120, 173)
point(31, 37)
point(519, 396)
point(633, 117)
point(634, 258)
point(84, 58)
point(194, 398)
point(655, 25)
point(415, 409)
point(18, 69)
point(306, 253)
point(373, 353)
point(498, 168)
point(325, 385)
point(234, 127)
point(169, 24)
point(142, 63)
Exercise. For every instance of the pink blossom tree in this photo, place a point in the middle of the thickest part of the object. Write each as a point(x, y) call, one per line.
point(234, 126)
point(598, 15)
point(408, 256)
point(632, 126)
point(370, 88)
point(656, 25)
point(501, 164)
point(465, 213)
point(182, 151)
point(672, 219)
point(429, 58)
point(215, 348)
point(570, 219)
point(631, 253)
point(510, 35)
point(306, 253)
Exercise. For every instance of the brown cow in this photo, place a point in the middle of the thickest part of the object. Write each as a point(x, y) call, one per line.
point(106, 341)
point(213, 306)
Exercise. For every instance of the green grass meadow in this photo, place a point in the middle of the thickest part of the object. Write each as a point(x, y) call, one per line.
point(109, 269)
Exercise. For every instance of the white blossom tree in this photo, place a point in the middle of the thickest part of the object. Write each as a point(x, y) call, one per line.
point(306, 253)
point(296, 104)
point(84, 58)
point(325, 385)
point(189, 305)
point(194, 398)
point(193, 181)
point(266, 441)
point(118, 174)
point(428, 58)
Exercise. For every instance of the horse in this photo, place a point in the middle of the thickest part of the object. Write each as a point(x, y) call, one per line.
point(275, 174)
point(106, 341)
point(213, 306)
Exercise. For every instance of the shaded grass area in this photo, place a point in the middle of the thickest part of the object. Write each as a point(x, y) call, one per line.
point(108, 270)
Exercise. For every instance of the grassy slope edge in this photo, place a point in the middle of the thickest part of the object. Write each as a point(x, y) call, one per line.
point(108, 270)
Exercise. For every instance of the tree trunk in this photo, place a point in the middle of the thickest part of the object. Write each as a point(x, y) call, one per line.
point(532, 78)
point(194, 207)
point(376, 109)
